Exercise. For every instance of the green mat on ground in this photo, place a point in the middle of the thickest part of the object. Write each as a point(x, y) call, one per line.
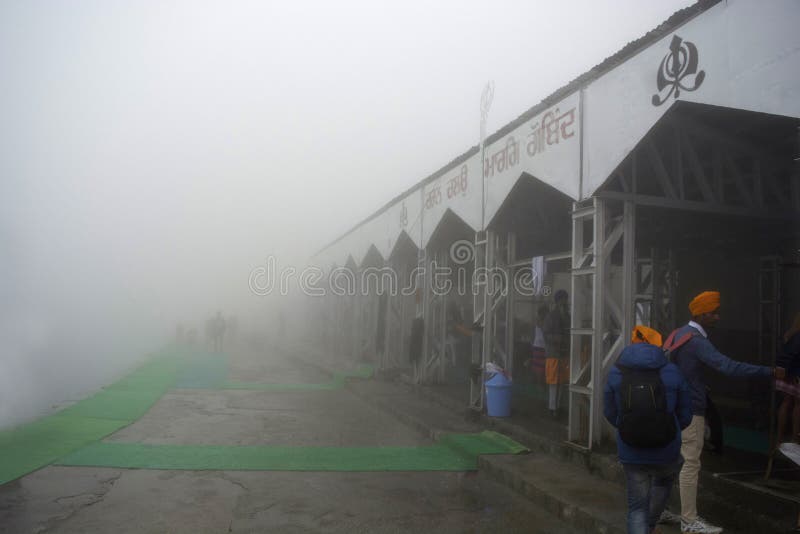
point(210, 371)
point(455, 452)
point(337, 382)
point(334, 384)
point(33, 445)
point(115, 405)
point(202, 371)
point(37, 444)
point(364, 370)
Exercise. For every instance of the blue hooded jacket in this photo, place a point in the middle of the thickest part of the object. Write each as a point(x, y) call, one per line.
point(645, 356)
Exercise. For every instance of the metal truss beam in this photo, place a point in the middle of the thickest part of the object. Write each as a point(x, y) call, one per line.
point(705, 207)
point(696, 167)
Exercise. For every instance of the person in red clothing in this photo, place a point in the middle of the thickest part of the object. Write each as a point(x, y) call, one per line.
point(556, 333)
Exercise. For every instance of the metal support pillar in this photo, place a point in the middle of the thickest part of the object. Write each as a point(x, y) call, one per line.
point(443, 338)
point(601, 319)
point(582, 327)
point(434, 324)
point(347, 324)
point(367, 319)
point(356, 326)
point(406, 315)
point(479, 308)
point(395, 321)
point(501, 350)
point(421, 300)
point(338, 320)
point(628, 265)
point(598, 321)
point(488, 286)
point(511, 259)
point(345, 310)
point(493, 309)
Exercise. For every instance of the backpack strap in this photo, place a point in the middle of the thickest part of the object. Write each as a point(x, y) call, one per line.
point(667, 346)
point(671, 345)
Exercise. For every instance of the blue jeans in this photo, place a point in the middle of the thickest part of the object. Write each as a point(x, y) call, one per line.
point(648, 487)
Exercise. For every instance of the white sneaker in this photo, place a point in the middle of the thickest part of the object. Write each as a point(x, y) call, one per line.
point(791, 451)
point(699, 526)
point(668, 518)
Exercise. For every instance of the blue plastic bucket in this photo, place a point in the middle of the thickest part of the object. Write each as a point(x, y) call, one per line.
point(498, 396)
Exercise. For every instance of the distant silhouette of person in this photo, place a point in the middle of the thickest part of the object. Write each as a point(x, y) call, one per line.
point(218, 331)
point(539, 346)
point(209, 333)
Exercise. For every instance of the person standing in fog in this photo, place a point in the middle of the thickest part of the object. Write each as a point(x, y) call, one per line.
point(539, 347)
point(556, 333)
point(218, 331)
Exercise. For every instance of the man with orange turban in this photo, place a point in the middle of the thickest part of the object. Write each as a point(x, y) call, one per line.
point(647, 400)
point(691, 351)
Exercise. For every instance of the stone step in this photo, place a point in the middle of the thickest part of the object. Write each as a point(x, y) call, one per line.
point(590, 504)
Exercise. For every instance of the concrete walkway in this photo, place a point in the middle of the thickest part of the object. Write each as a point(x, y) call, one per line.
point(585, 490)
point(100, 500)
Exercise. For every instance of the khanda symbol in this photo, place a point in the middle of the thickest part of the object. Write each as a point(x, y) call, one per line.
point(403, 216)
point(677, 65)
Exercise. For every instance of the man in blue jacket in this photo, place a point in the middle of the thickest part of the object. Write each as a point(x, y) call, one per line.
point(649, 471)
point(692, 351)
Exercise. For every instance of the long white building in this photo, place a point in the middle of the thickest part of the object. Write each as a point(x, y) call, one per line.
point(668, 169)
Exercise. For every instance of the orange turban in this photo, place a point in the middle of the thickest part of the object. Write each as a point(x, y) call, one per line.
point(644, 334)
point(705, 302)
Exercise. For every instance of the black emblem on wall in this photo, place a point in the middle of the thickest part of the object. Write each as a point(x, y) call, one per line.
point(677, 65)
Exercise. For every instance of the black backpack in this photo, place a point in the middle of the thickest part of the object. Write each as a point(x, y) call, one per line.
point(644, 421)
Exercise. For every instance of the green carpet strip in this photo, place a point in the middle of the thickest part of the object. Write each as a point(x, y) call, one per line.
point(32, 446)
point(338, 382)
point(210, 371)
point(203, 371)
point(454, 452)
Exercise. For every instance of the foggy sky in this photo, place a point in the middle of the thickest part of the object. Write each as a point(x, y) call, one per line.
point(153, 153)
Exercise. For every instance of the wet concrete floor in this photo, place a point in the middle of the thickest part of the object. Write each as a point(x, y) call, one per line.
point(100, 500)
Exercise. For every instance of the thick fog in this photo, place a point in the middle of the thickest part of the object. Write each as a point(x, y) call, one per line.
point(153, 153)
